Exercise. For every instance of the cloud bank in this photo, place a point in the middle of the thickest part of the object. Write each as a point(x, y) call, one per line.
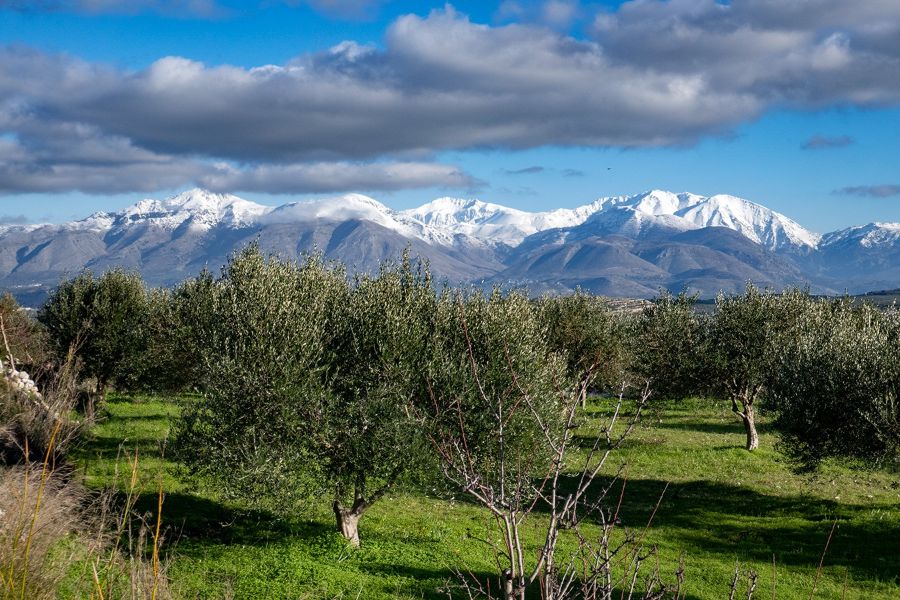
point(650, 74)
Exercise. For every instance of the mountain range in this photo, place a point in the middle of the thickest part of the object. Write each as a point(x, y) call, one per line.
point(619, 246)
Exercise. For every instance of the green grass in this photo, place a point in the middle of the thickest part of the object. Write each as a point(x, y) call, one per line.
point(723, 505)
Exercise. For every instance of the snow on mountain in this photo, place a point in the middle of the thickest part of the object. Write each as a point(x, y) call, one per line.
point(755, 222)
point(198, 209)
point(492, 223)
point(357, 207)
point(201, 211)
point(615, 245)
point(866, 236)
point(495, 223)
point(455, 221)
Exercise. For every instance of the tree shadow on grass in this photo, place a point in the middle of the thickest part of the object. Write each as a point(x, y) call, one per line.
point(722, 428)
point(189, 517)
point(428, 582)
point(108, 447)
point(732, 520)
point(132, 431)
point(434, 579)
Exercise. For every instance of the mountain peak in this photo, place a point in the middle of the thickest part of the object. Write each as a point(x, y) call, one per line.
point(486, 222)
point(448, 210)
point(200, 199)
point(197, 208)
point(617, 245)
point(867, 236)
point(690, 211)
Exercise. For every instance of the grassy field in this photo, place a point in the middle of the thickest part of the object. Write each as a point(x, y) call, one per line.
point(723, 506)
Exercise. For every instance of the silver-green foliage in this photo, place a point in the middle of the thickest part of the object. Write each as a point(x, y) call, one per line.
point(262, 339)
point(497, 389)
point(307, 380)
point(666, 345)
point(590, 335)
point(104, 320)
point(379, 359)
point(836, 384)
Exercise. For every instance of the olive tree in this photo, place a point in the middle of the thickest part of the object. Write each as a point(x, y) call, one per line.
point(367, 439)
point(742, 341)
point(503, 419)
point(103, 319)
point(836, 384)
point(188, 308)
point(494, 395)
point(308, 382)
point(583, 328)
point(261, 338)
point(665, 345)
point(23, 338)
point(488, 352)
point(739, 353)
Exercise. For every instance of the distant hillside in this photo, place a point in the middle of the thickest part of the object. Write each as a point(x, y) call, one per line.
point(622, 246)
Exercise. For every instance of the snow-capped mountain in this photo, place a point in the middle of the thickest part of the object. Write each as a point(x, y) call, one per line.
point(444, 220)
point(493, 223)
point(865, 236)
point(195, 209)
point(357, 207)
point(620, 245)
point(620, 214)
point(754, 221)
point(868, 256)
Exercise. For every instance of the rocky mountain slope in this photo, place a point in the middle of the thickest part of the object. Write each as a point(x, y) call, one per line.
point(620, 246)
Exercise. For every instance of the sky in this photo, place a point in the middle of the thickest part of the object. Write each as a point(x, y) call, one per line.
point(535, 104)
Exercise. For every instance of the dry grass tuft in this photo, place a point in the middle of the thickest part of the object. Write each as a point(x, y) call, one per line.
point(39, 511)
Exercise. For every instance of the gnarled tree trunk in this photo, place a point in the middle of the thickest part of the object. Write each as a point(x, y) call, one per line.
point(748, 416)
point(749, 419)
point(348, 522)
point(347, 519)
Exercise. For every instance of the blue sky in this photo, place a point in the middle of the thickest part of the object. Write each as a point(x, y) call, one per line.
point(530, 104)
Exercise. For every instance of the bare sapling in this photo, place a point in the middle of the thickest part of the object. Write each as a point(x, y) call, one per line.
point(593, 562)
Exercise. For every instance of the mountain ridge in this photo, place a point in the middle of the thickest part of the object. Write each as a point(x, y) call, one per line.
point(642, 242)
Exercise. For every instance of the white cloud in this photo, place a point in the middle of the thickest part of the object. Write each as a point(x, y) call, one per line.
point(653, 73)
